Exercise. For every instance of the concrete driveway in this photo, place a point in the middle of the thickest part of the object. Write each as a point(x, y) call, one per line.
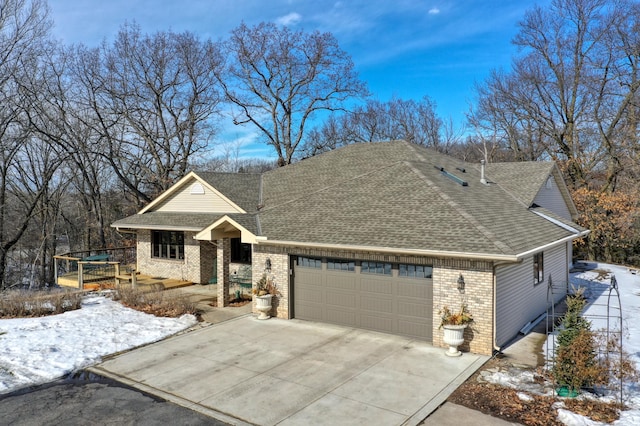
point(291, 372)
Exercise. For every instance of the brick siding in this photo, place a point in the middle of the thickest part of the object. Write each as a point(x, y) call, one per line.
point(198, 266)
point(478, 295)
point(279, 274)
point(224, 259)
point(189, 269)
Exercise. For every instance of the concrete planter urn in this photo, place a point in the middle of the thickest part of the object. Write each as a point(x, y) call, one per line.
point(263, 305)
point(454, 337)
point(453, 323)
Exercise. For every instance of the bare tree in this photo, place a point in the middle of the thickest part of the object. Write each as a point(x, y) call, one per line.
point(39, 186)
point(58, 118)
point(279, 79)
point(23, 30)
point(573, 93)
point(375, 121)
point(151, 101)
point(500, 116)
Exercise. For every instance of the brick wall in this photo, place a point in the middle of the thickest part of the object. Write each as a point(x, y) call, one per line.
point(188, 269)
point(208, 254)
point(478, 295)
point(279, 274)
point(223, 258)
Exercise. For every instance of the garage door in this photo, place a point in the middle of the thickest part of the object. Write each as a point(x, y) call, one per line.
point(392, 298)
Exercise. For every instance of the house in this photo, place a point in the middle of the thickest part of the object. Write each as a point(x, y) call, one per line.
point(378, 236)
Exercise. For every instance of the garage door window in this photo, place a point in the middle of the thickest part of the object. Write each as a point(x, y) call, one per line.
point(341, 265)
point(376, 268)
point(415, 271)
point(310, 262)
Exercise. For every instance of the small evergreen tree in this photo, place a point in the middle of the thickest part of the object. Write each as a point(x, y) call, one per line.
point(576, 361)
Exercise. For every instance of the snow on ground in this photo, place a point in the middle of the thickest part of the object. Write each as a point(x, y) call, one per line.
point(39, 350)
point(597, 291)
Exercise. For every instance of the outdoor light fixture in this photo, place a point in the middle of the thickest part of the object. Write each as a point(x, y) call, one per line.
point(267, 264)
point(461, 284)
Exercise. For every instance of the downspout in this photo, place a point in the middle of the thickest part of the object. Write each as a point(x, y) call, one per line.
point(496, 348)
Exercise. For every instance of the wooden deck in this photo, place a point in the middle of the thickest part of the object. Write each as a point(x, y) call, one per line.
point(100, 282)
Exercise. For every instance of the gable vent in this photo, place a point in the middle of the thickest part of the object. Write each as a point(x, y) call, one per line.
point(197, 189)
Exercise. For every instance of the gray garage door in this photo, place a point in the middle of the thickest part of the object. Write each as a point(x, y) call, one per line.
point(392, 298)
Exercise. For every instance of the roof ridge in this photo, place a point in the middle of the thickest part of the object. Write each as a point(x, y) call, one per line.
point(412, 147)
point(509, 193)
point(472, 220)
point(198, 172)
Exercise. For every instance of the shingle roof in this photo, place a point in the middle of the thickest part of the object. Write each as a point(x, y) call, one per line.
point(169, 221)
point(241, 188)
point(523, 180)
point(392, 195)
point(553, 216)
point(247, 221)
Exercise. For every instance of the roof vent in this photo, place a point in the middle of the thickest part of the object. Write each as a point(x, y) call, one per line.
point(197, 189)
point(452, 177)
point(483, 179)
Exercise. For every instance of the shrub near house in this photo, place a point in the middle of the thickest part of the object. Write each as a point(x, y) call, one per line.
point(576, 363)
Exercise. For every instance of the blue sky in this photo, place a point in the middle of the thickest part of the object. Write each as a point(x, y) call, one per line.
point(406, 48)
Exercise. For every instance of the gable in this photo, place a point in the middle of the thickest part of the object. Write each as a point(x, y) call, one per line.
point(194, 196)
point(551, 198)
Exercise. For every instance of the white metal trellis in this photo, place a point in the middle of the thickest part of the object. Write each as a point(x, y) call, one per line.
point(611, 315)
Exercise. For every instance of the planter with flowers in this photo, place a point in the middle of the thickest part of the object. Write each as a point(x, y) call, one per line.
point(453, 323)
point(264, 291)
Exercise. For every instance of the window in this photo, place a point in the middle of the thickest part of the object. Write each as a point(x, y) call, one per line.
point(167, 244)
point(538, 268)
point(376, 268)
point(341, 265)
point(240, 252)
point(415, 271)
point(309, 262)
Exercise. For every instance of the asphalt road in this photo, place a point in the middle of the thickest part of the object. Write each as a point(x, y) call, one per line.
point(91, 400)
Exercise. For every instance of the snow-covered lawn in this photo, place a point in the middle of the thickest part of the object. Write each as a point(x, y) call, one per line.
point(39, 350)
point(597, 294)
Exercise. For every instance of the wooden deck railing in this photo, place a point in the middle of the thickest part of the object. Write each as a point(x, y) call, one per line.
point(77, 268)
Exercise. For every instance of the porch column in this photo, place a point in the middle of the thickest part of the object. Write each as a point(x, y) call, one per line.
point(223, 259)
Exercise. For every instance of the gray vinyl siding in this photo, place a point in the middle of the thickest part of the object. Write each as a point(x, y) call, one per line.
point(518, 299)
point(184, 201)
point(551, 199)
